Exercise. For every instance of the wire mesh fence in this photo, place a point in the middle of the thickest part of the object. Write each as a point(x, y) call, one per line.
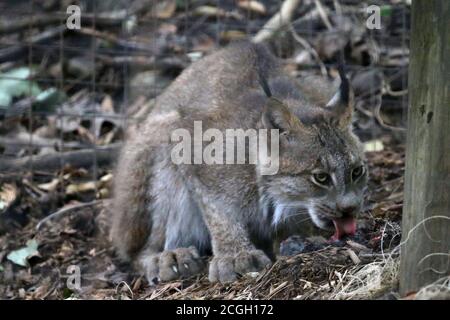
point(87, 80)
point(77, 77)
point(72, 78)
point(75, 74)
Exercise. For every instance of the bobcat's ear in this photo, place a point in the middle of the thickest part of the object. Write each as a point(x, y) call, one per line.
point(341, 104)
point(276, 115)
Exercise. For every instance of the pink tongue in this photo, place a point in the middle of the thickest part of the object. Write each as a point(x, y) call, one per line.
point(343, 227)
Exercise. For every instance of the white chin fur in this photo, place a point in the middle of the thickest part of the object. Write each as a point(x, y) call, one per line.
point(315, 219)
point(278, 214)
point(282, 211)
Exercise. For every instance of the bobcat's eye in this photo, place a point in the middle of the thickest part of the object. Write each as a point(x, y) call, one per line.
point(357, 172)
point(321, 178)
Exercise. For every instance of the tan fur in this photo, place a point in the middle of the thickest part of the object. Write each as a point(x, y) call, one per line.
point(165, 216)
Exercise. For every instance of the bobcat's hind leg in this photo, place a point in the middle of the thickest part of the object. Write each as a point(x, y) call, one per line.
point(179, 235)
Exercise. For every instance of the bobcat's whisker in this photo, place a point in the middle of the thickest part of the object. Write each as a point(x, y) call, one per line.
point(303, 220)
point(325, 210)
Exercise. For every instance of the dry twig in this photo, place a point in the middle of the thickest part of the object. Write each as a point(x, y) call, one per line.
point(65, 210)
point(100, 156)
point(278, 21)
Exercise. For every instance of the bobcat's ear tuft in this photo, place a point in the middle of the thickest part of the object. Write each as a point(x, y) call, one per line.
point(277, 115)
point(341, 104)
point(264, 85)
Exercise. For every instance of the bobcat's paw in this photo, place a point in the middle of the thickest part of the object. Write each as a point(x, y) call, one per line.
point(174, 264)
point(226, 268)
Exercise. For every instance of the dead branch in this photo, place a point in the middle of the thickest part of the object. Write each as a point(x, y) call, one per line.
point(65, 210)
point(144, 62)
point(35, 141)
point(111, 18)
point(278, 21)
point(377, 114)
point(305, 44)
point(323, 15)
point(26, 22)
point(114, 39)
point(101, 156)
point(11, 53)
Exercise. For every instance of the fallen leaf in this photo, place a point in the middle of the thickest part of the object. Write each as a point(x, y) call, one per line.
point(16, 83)
point(48, 100)
point(194, 56)
point(373, 146)
point(215, 12)
point(49, 186)
point(103, 193)
point(252, 5)
point(107, 104)
point(231, 35)
point(82, 187)
point(22, 293)
point(209, 11)
point(21, 256)
point(106, 179)
point(8, 194)
point(164, 9)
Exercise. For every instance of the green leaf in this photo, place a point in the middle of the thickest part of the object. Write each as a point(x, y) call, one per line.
point(21, 256)
point(67, 293)
point(386, 11)
point(182, 4)
point(48, 99)
point(1, 268)
point(5, 99)
point(16, 83)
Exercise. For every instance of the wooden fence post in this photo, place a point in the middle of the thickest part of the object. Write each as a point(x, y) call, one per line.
point(425, 254)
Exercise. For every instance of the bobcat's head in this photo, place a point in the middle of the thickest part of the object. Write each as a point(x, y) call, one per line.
point(322, 173)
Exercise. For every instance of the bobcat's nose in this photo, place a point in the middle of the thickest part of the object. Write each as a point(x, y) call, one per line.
point(347, 210)
point(347, 205)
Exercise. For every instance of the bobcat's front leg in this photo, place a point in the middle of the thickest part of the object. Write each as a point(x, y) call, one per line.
point(233, 252)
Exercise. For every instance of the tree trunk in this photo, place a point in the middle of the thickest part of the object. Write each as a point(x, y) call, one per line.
point(425, 253)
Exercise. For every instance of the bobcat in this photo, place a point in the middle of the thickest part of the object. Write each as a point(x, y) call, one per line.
point(167, 216)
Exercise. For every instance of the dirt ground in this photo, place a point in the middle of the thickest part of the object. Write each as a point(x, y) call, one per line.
point(79, 238)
